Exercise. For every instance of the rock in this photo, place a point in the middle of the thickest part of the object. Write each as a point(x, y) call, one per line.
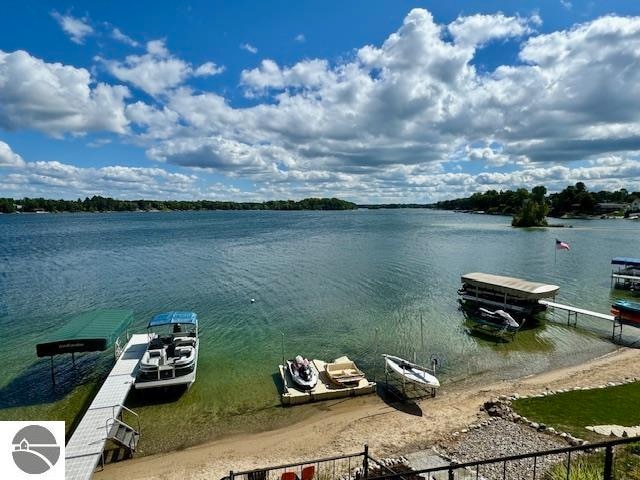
point(551, 430)
point(534, 425)
point(464, 430)
point(542, 427)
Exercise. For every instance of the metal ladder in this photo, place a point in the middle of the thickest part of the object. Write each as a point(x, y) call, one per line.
point(121, 433)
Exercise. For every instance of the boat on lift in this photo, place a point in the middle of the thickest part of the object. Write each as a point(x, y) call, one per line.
point(411, 372)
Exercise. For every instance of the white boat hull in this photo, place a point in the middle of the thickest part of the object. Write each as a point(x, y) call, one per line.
point(410, 372)
point(300, 382)
point(169, 379)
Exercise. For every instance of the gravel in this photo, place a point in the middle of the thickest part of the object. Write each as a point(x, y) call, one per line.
point(501, 438)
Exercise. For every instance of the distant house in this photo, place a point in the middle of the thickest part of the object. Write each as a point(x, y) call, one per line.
point(635, 205)
point(612, 207)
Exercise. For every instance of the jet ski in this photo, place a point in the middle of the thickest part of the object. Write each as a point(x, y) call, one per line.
point(302, 372)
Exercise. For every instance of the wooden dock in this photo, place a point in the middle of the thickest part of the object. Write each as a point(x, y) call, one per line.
point(85, 447)
point(325, 389)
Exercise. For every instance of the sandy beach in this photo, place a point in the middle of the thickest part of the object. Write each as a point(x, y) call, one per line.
point(344, 426)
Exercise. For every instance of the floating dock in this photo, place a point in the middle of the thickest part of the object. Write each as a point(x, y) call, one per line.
point(325, 389)
point(85, 448)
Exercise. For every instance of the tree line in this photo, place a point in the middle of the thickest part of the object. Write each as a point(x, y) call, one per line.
point(531, 208)
point(574, 199)
point(107, 204)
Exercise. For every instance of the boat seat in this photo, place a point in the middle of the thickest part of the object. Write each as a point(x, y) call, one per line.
point(184, 341)
point(154, 353)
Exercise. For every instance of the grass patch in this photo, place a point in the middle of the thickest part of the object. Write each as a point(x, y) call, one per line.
point(573, 411)
point(591, 466)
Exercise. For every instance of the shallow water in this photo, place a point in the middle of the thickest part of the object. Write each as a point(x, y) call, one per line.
point(335, 283)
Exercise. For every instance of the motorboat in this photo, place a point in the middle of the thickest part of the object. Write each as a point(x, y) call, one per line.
point(171, 358)
point(626, 311)
point(303, 373)
point(500, 318)
point(411, 372)
point(344, 372)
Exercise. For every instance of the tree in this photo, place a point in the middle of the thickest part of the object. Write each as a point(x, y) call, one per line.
point(538, 193)
point(532, 214)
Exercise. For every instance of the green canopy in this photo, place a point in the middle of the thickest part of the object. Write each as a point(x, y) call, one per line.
point(88, 332)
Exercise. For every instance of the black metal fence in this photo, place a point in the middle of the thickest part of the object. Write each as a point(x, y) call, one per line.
point(329, 468)
point(611, 460)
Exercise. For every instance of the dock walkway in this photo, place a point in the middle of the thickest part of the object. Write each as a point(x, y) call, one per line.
point(576, 310)
point(84, 449)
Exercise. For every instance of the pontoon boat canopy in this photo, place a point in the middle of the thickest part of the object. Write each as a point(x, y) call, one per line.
point(88, 332)
point(515, 287)
point(172, 318)
point(627, 261)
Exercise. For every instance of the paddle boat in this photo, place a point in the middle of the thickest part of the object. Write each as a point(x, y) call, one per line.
point(344, 373)
point(171, 358)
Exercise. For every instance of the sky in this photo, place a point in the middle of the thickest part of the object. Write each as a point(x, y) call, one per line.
point(370, 101)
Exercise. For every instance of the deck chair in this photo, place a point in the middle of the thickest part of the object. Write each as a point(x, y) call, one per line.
point(289, 476)
point(308, 473)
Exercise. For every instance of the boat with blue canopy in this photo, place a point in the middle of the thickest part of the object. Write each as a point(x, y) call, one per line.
point(626, 273)
point(171, 358)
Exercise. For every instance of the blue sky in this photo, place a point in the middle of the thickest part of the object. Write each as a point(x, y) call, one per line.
point(373, 101)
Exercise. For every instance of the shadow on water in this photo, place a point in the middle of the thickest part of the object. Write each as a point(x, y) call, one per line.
point(35, 387)
point(155, 396)
point(278, 382)
point(392, 396)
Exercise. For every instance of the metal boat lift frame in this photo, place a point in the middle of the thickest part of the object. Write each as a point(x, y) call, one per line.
point(428, 391)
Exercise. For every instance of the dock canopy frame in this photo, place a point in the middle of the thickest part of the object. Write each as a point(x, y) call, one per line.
point(514, 287)
point(173, 318)
point(88, 332)
point(626, 261)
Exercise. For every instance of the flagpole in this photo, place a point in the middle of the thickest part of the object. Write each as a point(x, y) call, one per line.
point(555, 253)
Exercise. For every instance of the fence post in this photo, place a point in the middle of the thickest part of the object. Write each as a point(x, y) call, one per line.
point(451, 477)
point(231, 475)
point(608, 463)
point(365, 462)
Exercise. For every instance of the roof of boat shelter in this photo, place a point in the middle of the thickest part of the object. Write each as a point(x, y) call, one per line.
point(515, 287)
point(173, 318)
point(635, 262)
point(88, 332)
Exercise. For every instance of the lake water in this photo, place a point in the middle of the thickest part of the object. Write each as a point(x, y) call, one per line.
point(355, 283)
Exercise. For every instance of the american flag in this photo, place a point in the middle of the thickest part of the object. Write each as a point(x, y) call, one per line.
point(560, 245)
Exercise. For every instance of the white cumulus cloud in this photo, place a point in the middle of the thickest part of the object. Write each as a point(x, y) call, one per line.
point(56, 98)
point(8, 158)
point(156, 71)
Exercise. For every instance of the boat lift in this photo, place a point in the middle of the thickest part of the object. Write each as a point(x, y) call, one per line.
point(398, 388)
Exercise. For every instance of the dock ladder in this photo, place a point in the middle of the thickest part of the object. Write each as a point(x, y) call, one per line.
point(122, 434)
